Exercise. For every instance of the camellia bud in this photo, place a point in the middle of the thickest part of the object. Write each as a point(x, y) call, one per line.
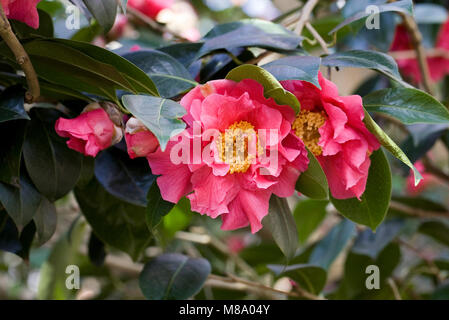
point(139, 140)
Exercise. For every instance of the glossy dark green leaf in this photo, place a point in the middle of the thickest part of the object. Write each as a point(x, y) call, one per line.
point(45, 220)
point(281, 224)
point(160, 116)
point(403, 6)
point(374, 60)
point(157, 207)
point(437, 230)
point(309, 213)
point(390, 145)
point(408, 105)
point(295, 68)
point(45, 28)
point(104, 11)
point(136, 77)
point(21, 203)
point(12, 104)
point(11, 150)
point(371, 209)
point(117, 223)
point(52, 166)
point(371, 244)
point(169, 75)
point(272, 87)
point(173, 277)
point(126, 179)
point(249, 33)
point(185, 52)
point(309, 277)
point(329, 248)
point(313, 182)
point(9, 235)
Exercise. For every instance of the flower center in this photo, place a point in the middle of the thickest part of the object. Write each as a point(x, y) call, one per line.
point(306, 127)
point(238, 146)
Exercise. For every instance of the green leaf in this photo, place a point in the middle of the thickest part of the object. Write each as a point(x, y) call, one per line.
point(52, 166)
point(139, 80)
point(45, 220)
point(169, 75)
point(173, 277)
point(313, 182)
point(12, 104)
point(437, 230)
point(104, 11)
point(249, 33)
point(157, 207)
point(310, 278)
point(125, 178)
point(160, 116)
point(20, 203)
point(24, 31)
point(374, 60)
point(281, 224)
point(308, 214)
point(11, 150)
point(272, 87)
point(117, 223)
point(408, 105)
point(403, 6)
point(329, 248)
point(53, 276)
point(371, 209)
point(390, 145)
point(295, 68)
point(371, 243)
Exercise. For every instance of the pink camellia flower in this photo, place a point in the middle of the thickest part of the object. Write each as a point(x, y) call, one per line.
point(150, 8)
point(90, 132)
point(332, 129)
point(438, 66)
point(22, 10)
point(223, 177)
point(139, 140)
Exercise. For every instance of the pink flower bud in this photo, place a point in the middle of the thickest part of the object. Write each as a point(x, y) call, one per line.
point(90, 132)
point(22, 10)
point(139, 140)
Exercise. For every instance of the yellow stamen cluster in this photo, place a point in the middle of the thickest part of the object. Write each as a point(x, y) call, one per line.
point(233, 146)
point(306, 127)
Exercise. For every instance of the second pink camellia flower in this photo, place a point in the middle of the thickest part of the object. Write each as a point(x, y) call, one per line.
point(332, 128)
point(232, 184)
point(90, 132)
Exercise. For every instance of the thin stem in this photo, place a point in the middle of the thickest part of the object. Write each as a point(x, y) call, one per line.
point(434, 170)
point(317, 37)
point(21, 56)
point(417, 212)
point(305, 15)
point(416, 35)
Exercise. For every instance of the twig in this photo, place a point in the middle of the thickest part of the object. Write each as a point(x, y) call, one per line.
point(432, 169)
point(416, 35)
point(21, 56)
point(394, 288)
point(417, 212)
point(153, 24)
point(305, 15)
point(317, 37)
point(411, 54)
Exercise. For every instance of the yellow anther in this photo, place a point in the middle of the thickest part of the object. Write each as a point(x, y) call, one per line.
point(306, 127)
point(234, 146)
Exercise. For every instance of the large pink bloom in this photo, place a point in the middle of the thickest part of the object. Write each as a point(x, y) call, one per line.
point(238, 192)
point(90, 132)
point(150, 8)
point(331, 127)
point(22, 10)
point(438, 66)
